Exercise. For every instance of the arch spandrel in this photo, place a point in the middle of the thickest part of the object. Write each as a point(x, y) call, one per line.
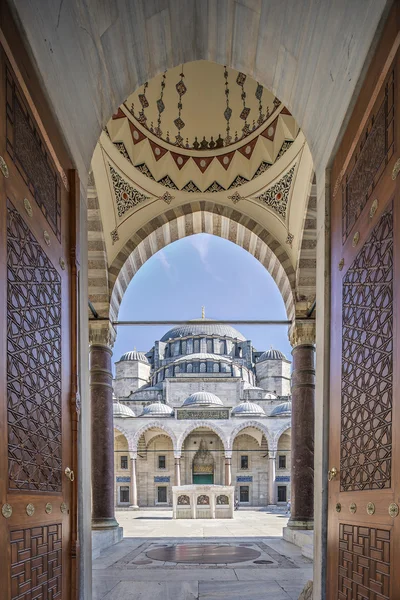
point(257, 425)
point(165, 429)
point(206, 424)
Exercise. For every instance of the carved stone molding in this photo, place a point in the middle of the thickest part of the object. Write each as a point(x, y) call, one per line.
point(101, 333)
point(302, 332)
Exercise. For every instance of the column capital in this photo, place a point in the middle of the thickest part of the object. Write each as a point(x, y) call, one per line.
point(177, 455)
point(228, 454)
point(272, 454)
point(302, 332)
point(101, 333)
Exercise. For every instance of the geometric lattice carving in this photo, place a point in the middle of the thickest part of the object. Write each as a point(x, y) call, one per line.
point(364, 563)
point(126, 196)
point(370, 159)
point(29, 153)
point(33, 362)
point(276, 197)
point(367, 364)
point(36, 563)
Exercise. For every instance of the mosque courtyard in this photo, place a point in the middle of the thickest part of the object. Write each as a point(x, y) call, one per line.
point(242, 558)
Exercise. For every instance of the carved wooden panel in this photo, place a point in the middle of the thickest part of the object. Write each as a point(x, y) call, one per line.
point(369, 160)
point(33, 361)
point(30, 155)
point(36, 563)
point(364, 563)
point(367, 364)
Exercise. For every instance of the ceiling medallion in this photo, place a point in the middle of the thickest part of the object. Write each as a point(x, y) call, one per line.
point(341, 264)
point(46, 238)
point(30, 509)
point(289, 239)
point(166, 197)
point(235, 197)
point(63, 508)
point(353, 508)
point(356, 239)
point(6, 510)
point(62, 263)
point(370, 508)
point(3, 167)
point(393, 510)
point(28, 207)
point(374, 208)
point(396, 169)
point(48, 508)
point(338, 507)
point(114, 236)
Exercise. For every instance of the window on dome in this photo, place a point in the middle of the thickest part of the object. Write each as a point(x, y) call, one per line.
point(162, 462)
point(176, 348)
point(189, 368)
point(124, 462)
point(184, 347)
point(282, 461)
point(210, 346)
point(177, 369)
point(196, 346)
point(124, 493)
point(216, 368)
point(244, 461)
point(209, 367)
point(203, 367)
point(196, 367)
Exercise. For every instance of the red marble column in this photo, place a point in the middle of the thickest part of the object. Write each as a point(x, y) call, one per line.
point(302, 433)
point(103, 480)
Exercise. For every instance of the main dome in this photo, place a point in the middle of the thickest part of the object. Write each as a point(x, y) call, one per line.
point(203, 399)
point(202, 327)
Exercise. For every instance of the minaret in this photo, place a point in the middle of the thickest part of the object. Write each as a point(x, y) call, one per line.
point(203, 312)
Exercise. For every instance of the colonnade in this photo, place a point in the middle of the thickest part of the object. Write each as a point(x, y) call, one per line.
point(302, 337)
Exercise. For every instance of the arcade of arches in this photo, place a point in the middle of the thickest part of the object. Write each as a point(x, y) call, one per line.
point(128, 126)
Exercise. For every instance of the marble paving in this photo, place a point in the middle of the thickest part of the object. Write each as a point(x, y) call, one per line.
point(140, 567)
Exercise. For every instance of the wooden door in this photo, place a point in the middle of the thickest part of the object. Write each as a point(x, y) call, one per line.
point(37, 499)
point(364, 495)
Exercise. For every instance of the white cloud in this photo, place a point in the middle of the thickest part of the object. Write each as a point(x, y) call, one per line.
point(162, 257)
point(201, 243)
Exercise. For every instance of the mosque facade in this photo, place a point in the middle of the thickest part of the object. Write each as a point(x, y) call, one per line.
point(202, 406)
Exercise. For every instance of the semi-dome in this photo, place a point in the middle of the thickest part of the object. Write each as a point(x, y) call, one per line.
point(282, 410)
point(203, 399)
point(134, 355)
point(203, 327)
point(157, 409)
point(248, 409)
point(272, 354)
point(121, 411)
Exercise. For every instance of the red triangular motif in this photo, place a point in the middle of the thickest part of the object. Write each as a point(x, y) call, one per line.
point(269, 132)
point(137, 136)
point(226, 159)
point(247, 149)
point(158, 150)
point(119, 115)
point(285, 111)
point(180, 159)
point(203, 162)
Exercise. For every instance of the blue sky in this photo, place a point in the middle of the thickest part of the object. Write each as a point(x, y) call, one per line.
point(202, 270)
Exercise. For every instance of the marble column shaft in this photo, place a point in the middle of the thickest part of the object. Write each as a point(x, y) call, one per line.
point(134, 499)
point(228, 471)
point(177, 470)
point(103, 512)
point(271, 478)
point(302, 438)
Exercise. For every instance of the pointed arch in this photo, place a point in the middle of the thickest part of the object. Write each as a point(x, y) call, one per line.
point(153, 425)
point(193, 426)
point(257, 425)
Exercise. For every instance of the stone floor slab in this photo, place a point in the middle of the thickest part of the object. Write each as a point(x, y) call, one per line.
point(161, 590)
point(240, 590)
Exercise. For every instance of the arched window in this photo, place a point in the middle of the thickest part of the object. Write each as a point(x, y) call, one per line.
point(216, 368)
point(209, 367)
point(196, 346)
point(189, 368)
point(210, 346)
point(177, 369)
point(203, 367)
point(184, 347)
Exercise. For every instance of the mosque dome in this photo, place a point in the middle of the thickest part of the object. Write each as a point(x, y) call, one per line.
point(272, 354)
point(134, 355)
point(282, 410)
point(157, 409)
point(248, 409)
point(203, 327)
point(203, 399)
point(120, 411)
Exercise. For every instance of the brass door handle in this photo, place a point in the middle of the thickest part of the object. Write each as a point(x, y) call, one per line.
point(332, 473)
point(69, 473)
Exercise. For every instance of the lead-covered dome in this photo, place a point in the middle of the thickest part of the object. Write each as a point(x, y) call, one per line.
point(157, 409)
point(203, 399)
point(203, 327)
point(120, 411)
point(282, 410)
point(272, 354)
point(248, 409)
point(134, 355)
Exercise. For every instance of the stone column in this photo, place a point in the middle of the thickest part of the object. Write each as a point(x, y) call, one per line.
point(302, 338)
point(134, 500)
point(271, 477)
point(228, 470)
point(177, 470)
point(101, 340)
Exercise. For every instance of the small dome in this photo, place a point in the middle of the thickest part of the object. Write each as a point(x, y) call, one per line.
point(120, 411)
point(248, 409)
point(203, 399)
point(134, 355)
point(272, 354)
point(282, 410)
point(157, 409)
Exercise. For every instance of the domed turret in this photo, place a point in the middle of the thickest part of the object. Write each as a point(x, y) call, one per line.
point(120, 411)
point(134, 355)
point(282, 410)
point(272, 354)
point(203, 399)
point(157, 409)
point(248, 409)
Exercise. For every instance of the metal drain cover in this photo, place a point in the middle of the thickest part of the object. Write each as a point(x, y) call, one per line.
point(206, 554)
point(263, 562)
